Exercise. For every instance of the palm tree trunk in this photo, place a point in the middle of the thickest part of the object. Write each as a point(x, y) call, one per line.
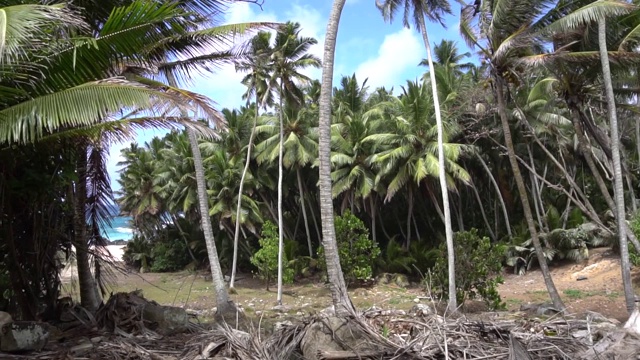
point(617, 167)
point(526, 207)
point(583, 145)
point(182, 235)
point(236, 235)
point(484, 216)
point(280, 222)
point(341, 301)
point(85, 277)
point(505, 212)
point(224, 306)
point(453, 304)
point(460, 218)
point(304, 212)
point(407, 242)
point(373, 219)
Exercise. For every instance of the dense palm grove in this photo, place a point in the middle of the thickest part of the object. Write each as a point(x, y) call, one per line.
point(528, 156)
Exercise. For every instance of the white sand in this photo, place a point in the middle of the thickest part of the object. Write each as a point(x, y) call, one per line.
point(116, 252)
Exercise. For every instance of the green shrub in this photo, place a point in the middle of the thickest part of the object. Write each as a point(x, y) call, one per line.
point(137, 253)
point(266, 259)
point(478, 265)
point(170, 255)
point(357, 252)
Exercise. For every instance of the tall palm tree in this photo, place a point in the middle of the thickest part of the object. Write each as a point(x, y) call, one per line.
point(290, 55)
point(621, 214)
point(341, 300)
point(434, 9)
point(256, 83)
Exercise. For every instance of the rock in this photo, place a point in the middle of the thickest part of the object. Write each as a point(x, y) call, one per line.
point(23, 336)
point(81, 349)
point(416, 300)
point(328, 312)
point(281, 308)
point(329, 333)
point(421, 310)
point(168, 319)
point(384, 279)
point(282, 324)
point(401, 280)
point(581, 278)
point(360, 292)
point(5, 319)
point(544, 309)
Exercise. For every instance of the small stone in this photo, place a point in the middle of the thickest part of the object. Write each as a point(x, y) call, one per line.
point(581, 278)
point(258, 313)
point(251, 304)
point(416, 300)
point(97, 339)
point(282, 324)
point(81, 349)
point(300, 313)
point(280, 308)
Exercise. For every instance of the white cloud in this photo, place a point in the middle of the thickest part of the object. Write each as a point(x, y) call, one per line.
point(399, 52)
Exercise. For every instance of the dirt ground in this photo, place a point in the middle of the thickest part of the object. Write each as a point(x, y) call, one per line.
point(599, 289)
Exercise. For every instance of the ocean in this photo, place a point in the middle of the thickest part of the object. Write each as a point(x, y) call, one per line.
point(120, 229)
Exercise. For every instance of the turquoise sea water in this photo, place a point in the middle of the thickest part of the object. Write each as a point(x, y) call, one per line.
point(120, 229)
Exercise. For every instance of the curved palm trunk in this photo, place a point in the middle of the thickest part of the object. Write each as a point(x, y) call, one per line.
point(341, 300)
point(584, 146)
point(505, 212)
point(304, 211)
point(280, 223)
point(407, 243)
point(484, 215)
point(617, 168)
point(453, 303)
point(526, 207)
point(86, 281)
point(224, 306)
point(236, 234)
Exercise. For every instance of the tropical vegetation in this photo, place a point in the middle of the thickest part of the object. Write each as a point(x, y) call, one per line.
point(514, 149)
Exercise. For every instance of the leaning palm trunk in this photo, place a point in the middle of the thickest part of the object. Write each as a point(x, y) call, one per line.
point(453, 303)
point(505, 212)
point(304, 211)
point(236, 234)
point(617, 168)
point(338, 287)
point(526, 207)
point(224, 306)
point(280, 223)
point(86, 281)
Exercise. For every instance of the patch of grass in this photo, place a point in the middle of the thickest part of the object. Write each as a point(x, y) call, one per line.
point(395, 301)
point(578, 294)
point(613, 295)
point(514, 302)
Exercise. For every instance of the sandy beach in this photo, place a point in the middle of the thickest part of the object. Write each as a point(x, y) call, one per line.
point(113, 251)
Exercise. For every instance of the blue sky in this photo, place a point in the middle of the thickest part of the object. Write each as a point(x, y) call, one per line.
point(386, 54)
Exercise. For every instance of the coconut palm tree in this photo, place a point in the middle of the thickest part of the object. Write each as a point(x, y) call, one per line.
point(433, 9)
point(256, 82)
point(290, 56)
point(341, 300)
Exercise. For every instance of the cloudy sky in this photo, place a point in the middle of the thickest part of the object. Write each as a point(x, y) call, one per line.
point(386, 54)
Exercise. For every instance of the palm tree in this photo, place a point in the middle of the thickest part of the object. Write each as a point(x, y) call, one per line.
point(256, 83)
point(289, 56)
point(621, 214)
point(341, 300)
point(434, 9)
point(502, 41)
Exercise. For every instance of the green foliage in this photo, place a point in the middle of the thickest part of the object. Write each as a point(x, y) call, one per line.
point(357, 252)
point(266, 258)
point(170, 255)
point(478, 267)
point(395, 259)
point(137, 253)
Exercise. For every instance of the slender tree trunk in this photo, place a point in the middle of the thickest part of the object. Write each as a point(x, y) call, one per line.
point(584, 145)
point(373, 219)
point(632, 193)
point(484, 216)
point(280, 222)
point(505, 212)
point(526, 207)
point(341, 300)
point(453, 303)
point(236, 234)
point(460, 218)
point(304, 212)
point(535, 191)
point(85, 277)
point(224, 306)
point(407, 242)
point(182, 235)
point(617, 167)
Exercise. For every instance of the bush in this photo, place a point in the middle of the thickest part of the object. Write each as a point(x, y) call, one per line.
point(357, 252)
point(170, 255)
point(478, 265)
point(137, 253)
point(266, 259)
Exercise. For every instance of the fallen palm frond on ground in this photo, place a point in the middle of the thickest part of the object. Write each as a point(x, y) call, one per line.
point(134, 328)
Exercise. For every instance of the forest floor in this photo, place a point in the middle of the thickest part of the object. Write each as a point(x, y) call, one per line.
point(601, 291)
